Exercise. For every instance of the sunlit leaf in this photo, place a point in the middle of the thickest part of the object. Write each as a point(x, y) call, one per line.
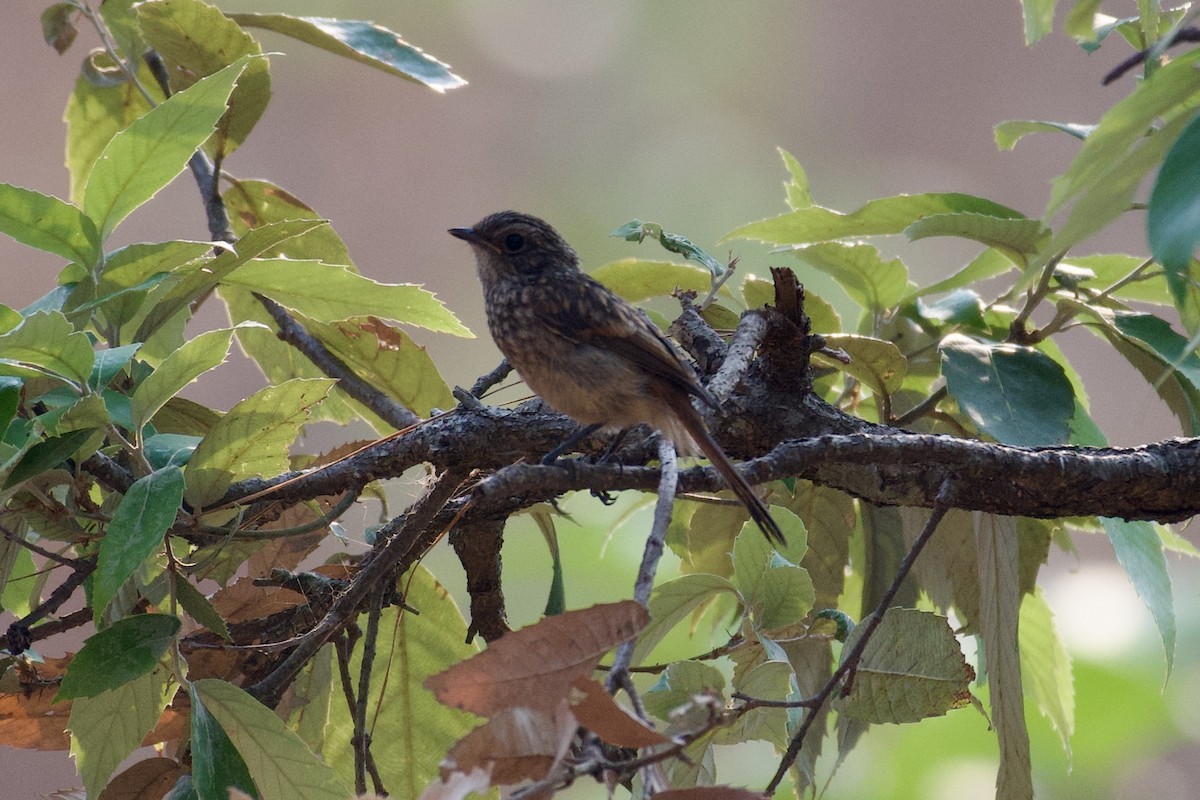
point(1039, 18)
point(49, 224)
point(1139, 549)
point(638, 280)
point(361, 41)
point(1010, 132)
point(197, 356)
point(46, 344)
point(1046, 667)
point(217, 766)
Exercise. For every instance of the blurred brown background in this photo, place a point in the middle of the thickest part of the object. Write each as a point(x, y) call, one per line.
point(591, 114)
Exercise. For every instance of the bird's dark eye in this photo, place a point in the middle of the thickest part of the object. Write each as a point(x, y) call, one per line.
point(514, 242)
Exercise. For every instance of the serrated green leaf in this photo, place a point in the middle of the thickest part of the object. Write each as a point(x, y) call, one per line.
point(911, 669)
point(1009, 132)
point(94, 115)
point(679, 683)
point(885, 216)
point(1173, 218)
point(1016, 238)
point(90, 412)
point(252, 439)
point(418, 728)
point(1080, 22)
point(10, 398)
point(674, 600)
point(861, 271)
point(143, 158)
point(127, 649)
point(1139, 549)
point(1039, 18)
point(329, 292)
point(254, 203)
point(787, 597)
point(361, 41)
point(999, 612)
point(46, 454)
point(828, 516)
point(169, 449)
point(1046, 667)
point(47, 223)
point(207, 351)
point(387, 358)
point(1015, 394)
point(198, 606)
point(145, 513)
point(768, 680)
point(1156, 334)
point(173, 28)
point(45, 344)
point(639, 280)
point(199, 282)
point(107, 728)
point(878, 364)
point(1169, 92)
point(799, 194)
point(129, 274)
point(217, 766)
point(109, 362)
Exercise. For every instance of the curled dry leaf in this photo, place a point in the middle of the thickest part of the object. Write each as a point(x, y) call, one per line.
point(152, 777)
point(535, 666)
point(517, 744)
point(597, 711)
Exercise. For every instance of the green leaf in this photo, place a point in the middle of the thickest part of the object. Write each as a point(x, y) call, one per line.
point(252, 439)
point(961, 307)
point(169, 449)
point(1039, 18)
point(109, 362)
point(679, 684)
point(94, 115)
point(107, 728)
point(49, 224)
point(203, 353)
point(19, 586)
point(10, 399)
point(1169, 92)
point(46, 454)
point(878, 364)
point(1011, 131)
point(217, 766)
point(417, 728)
point(330, 292)
point(136, 531)
point(885, 216)
point(1016, 238)
point(198, 606)
point(860, 270)
point(361, 41)
point(127, 649)
point(911, 669)
point(1173, 219)
point(639, 280)
point(196, 40)
point(1156, 334)
point(774, 589)
point(199, 282)
point(1139, 549)
point(252, 204)
point(1046, 667)
point(1081, 20)
point(768, 680)
point(45, 344)
point(278, 760)
point(1015, 394)
point(674, 600)
point(999, 613)
point(387, 358)
point(637, 231)
point(140, 160)
point(799, 194)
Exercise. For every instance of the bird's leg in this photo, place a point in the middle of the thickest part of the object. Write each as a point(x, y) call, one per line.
point(575, 438)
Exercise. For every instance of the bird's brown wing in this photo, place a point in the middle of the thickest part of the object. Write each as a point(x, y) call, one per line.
point(618, 327)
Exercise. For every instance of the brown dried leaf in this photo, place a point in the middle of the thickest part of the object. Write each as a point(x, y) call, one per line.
point(516, 744)
point(145, 780)
point(33, 722)
point(597, 711)
point(709, 793)
point(242, 601)
point(535, 666)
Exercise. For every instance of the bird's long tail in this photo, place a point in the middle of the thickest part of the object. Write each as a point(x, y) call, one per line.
point(695, 426)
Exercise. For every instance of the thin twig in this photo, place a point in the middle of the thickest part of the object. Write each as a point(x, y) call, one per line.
point(485, 382)
point(867, 627)
point(742, 347)
point(310, 347)
point(361, 740)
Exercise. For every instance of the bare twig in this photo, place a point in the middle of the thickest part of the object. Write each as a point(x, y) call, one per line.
point(745, 342)
point(361, 740)
point(867, 627)
point(485, 382)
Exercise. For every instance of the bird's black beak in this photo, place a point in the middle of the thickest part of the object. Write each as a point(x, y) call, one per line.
point(466, 234)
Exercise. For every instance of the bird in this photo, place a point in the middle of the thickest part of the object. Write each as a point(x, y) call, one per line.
point(588, 353)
